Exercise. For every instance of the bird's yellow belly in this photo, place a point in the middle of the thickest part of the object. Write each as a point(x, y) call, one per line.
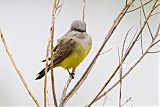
point(75, 58)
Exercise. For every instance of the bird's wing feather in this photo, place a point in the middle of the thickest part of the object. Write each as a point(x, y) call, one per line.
point(63, 49)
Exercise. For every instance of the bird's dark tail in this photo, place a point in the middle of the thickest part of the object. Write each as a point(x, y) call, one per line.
point(41, 73)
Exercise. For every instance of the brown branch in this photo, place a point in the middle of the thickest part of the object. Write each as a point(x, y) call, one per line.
point(153, 51)
point(125, 41)
point(155, 43)
point(65, 89)
point(126, 2)
point(132, 67)
point(59, 7)
point(52, 38)
point(120, 92)
point(147, 22)
point(132, 41)
point(106, 51)
point(127, 53)
point(139, 6)
point(141, 37)
point(109, 34)
point(46, 69)
point(18, 71)
point(129, 99)
point(120, 76)
point(155, 13)
point(84, 8)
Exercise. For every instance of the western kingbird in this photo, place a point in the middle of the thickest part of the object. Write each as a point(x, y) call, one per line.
point(71, 48)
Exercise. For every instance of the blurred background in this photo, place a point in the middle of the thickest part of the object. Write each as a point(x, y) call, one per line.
point(25, 25)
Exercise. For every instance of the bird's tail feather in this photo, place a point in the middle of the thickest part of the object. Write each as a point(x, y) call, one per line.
point(41, 73)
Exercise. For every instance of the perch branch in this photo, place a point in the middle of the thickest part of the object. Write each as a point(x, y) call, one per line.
point(18, 71)
point(65, 89)
point(109, 34)
point(70, 77)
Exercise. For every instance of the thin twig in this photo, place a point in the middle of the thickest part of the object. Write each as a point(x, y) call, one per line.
point(65, 89)
point(52, 38)
point(125, 56)
point(59, 7)
point(109, 34)
point(132, 40)
point(125, 41)
point(147, 22)
point(106, 51)
point(155, 43)
point(18, 71)
point(141, 37)
point(153, 51)
point(105, 99)
point(120, 76)
point(84, 8)
point(45, 76)
point(139, 6)
point(48, 100)
point(129, 99)
point(155, 13)
point(120, 92)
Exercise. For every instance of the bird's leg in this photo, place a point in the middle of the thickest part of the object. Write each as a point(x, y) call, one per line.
point(71, 73)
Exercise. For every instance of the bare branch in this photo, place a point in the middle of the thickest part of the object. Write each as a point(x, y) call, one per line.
point(46, 69)
point(129, 99)
point(155, 43)
point(52, 38)
point(153, 51)
point(84, 8)
point(126, 2)
point(65, 89)
point(132, 67)
point(141, 37)
point(59, 7)
point(132, 41)
point(18, 71)
point(155, 13)
point(125, 56)
point(147, 22)
point(109, 34)
point(106, 51)
point(139, 6)
point(125, 41)
point(120, 76)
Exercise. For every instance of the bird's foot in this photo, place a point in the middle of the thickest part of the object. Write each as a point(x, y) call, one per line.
point(71, 73)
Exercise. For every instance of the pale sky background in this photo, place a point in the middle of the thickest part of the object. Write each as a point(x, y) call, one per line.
point(25, 25)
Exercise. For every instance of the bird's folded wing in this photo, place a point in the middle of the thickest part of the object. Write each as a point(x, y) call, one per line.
point(62, 50)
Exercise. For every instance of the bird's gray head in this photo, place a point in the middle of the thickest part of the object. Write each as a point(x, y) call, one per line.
point(78, 25)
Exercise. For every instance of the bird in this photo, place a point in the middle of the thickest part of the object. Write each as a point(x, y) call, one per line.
point(71, 48)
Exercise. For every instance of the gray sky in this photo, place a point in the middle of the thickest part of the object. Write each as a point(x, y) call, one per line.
point(25, 26)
